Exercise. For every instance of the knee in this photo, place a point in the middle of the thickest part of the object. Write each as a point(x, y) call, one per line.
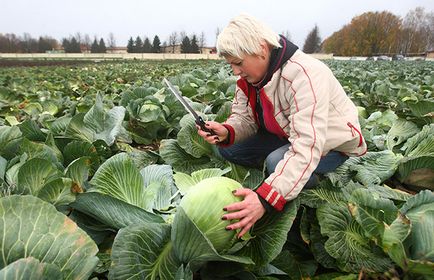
point(271, 162)
point(225, 153)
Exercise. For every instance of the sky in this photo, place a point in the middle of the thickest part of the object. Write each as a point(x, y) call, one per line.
point(132, 18)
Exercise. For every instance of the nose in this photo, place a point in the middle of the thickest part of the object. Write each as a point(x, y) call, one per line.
point(237, 70)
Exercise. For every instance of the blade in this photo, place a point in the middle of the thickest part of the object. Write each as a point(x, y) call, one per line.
point(181, 99)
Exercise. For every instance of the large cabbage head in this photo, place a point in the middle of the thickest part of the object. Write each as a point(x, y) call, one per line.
point(204, 204)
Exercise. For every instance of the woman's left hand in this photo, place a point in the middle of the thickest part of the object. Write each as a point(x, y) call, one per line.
point(247, 211)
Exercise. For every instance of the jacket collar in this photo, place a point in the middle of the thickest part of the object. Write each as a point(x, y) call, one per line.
point(277, 58)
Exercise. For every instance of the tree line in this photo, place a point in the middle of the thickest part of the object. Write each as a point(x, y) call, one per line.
point(376, 33)
point(372, 33)
point(11, 43)
point(183, 41)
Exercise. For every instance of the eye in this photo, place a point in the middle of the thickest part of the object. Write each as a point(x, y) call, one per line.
point(238, 63)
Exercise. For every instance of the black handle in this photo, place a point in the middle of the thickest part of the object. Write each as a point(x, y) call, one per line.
point(201, 123)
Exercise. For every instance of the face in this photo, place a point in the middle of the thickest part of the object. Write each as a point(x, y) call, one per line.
point(250, 67)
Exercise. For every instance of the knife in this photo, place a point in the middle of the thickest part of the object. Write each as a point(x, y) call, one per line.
point(199, 120)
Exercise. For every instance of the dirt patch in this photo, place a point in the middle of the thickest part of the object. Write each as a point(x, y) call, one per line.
point(33, 63)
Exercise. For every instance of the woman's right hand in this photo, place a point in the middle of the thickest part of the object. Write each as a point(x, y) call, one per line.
point(221, 133)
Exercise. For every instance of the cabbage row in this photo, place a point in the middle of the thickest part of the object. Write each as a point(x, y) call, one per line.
point(102, 175)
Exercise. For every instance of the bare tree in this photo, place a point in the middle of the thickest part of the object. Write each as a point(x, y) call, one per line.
point(202, 41)
point(286, 34)
point(430, 31)
point(78, 37)
point(217, 33)
point(173, 39)
point(417, 31)
point(111, 41)
point(87, 42)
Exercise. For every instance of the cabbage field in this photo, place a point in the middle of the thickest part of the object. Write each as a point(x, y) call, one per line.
point(103, 176)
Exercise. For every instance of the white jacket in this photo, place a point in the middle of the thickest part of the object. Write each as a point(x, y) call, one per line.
point(306, 104)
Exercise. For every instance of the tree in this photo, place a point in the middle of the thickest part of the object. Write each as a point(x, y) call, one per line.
point(138, 45)
point(286, 34)
point(417, 31)
point(156, 48)
point(75, 46)
point(194, 48)
point(9, 43)
point(185, 45)
point(312, 44)
point(217, 33)
point(46, 44)
point(130, 45)
point(29, 45)
point(111, 41)
point(202, 41)
point(95, 47)
point(368, 34)
point(147, 47)
point(87, 42)
point(101, 46)
point(173, 39)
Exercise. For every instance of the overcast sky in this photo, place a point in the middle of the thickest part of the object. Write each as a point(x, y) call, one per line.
point(125, 18)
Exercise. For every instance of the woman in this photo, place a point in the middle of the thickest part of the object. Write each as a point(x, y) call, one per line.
point(288, 110)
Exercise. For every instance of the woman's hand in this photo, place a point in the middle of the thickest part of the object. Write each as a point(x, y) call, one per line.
point(247, 211)
point(221, 133)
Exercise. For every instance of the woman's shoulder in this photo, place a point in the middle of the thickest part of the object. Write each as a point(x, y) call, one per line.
point(302, 63)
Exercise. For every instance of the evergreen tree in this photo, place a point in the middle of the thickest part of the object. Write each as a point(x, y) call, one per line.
point(312, 44)
point(130, 45)
point(185, 45)
point(75, 46)
point(156, 45)
point(138, 45)
point(101, 46)
point(94, 48)
point(46, 44)
point(194, 48)
point(147, 47)
point(66, 45)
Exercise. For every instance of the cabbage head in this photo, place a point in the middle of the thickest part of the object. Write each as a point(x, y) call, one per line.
point(204, 204)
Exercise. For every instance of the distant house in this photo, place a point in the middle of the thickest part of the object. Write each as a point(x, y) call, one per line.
point(177, 49)
point(171, 49)
point(117, 50)
point(430, 54)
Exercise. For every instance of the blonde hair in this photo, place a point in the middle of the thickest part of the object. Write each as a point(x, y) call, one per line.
point(244, 35)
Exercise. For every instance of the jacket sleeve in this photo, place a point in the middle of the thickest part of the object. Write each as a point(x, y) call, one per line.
point(309, 104)
point(241, 123)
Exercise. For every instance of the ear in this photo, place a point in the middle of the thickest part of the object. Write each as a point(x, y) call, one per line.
point(265, 50)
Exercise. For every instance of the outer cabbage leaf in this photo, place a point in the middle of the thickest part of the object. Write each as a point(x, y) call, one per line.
point(30, 268)
point(97, 124)
point(372, 212)
point(420, 210)
point(184, 181)
point(400, 131)
point(31, 227)
point(417, 167)
point(159, 187)
point(9, 138)
point(180, 160)
point(347, 242)
point(34, 174)
point(191, 141)
point(370, 169)
point(295, 268)
point(111, 211)
point(269, 235)
point(191, 245)
point(120, 178)
point(144, 251)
